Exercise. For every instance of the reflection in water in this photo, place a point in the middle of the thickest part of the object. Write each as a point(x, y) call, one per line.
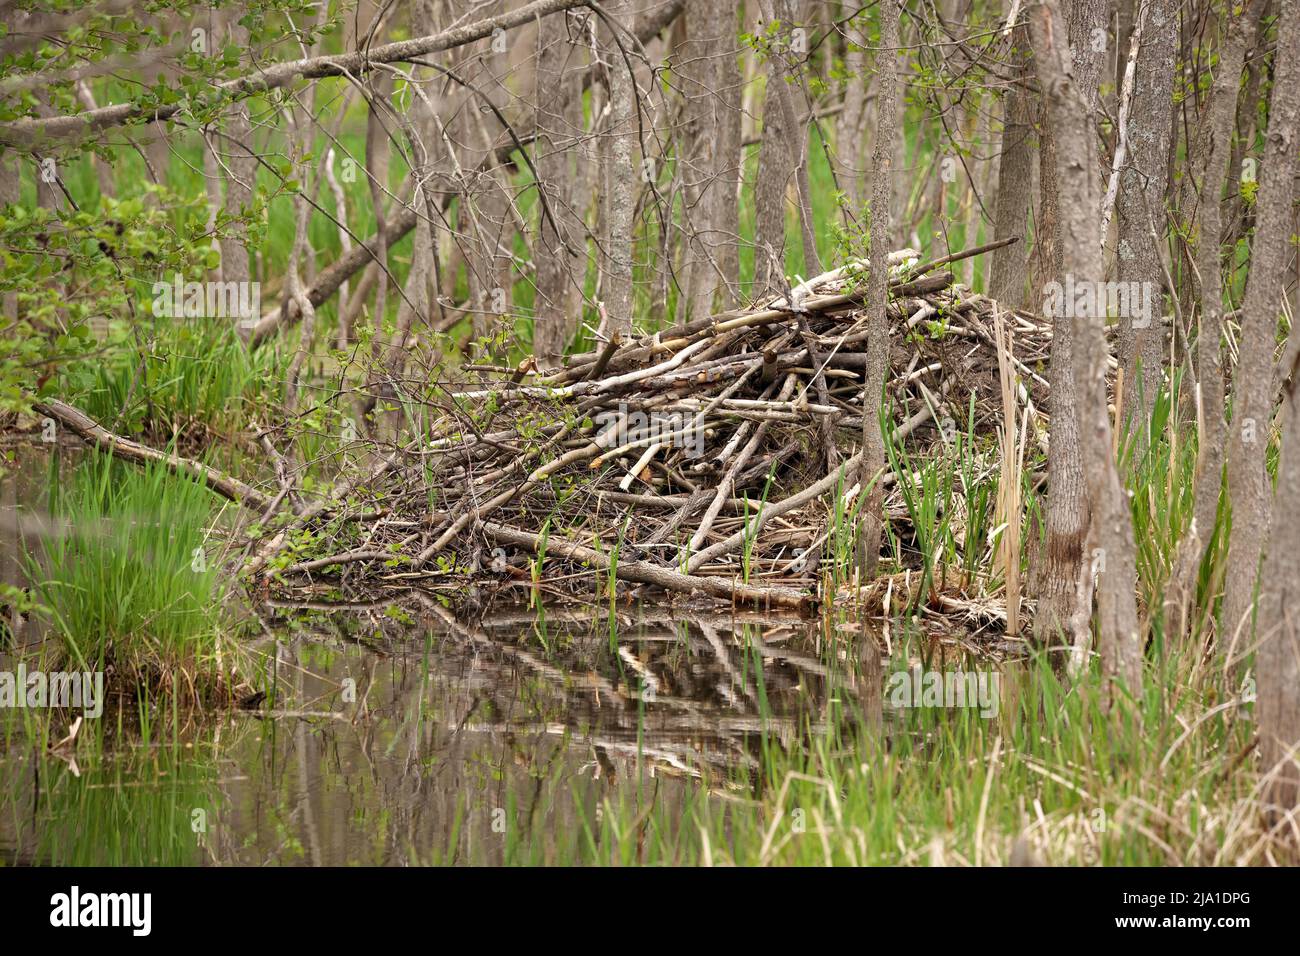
point(398, 734)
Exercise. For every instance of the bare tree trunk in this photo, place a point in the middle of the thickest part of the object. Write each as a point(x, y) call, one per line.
point(1277, 663)
point(1067, 520)
point(1140, 208)
point(873, 445)
point(619, 178)
point(377, 155)
point(709, 28)
point(1069, 106)
point(731, 152)
point(777, 157)
point(241, 178)
point(803, 189)
point(560, 261)
point(1252, 387)
point(460, 140)
point(978, 178)
point(104, 172)
point(848, 133)
point(1209, 349)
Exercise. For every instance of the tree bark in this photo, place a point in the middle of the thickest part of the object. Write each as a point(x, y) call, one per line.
point(241, 179)
point(1252, 387)
point(1209, 348)
point(848, 132)
point(777, 156)
point(1140, 209)
point(560, 263)
point(710, 28)
point(1277, 663)
point(1070, 100)
point(1068, 515)
point(620, 172)
point(873, 444)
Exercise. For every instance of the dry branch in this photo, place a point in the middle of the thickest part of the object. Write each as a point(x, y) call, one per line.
point(29, 133)
point(89, 430)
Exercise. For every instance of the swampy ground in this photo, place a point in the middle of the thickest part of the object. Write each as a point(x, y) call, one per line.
point(449, 727)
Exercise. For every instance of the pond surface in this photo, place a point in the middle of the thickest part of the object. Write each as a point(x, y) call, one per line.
point(403, 735)
point(399, 731)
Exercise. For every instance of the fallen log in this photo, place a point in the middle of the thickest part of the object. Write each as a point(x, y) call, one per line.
point(89, 430)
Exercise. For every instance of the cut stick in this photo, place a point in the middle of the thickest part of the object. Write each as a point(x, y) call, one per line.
point(643, 572)
point(811, 493)
point(626, 481)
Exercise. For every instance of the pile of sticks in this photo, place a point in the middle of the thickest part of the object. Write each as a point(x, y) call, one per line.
point(702, 459)
point(705, 459)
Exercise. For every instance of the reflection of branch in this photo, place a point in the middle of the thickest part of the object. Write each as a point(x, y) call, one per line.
point(680, 756)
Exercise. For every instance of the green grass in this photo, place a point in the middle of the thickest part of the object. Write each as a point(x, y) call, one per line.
point(175, 377)
point(129, 580)
point(933, 786)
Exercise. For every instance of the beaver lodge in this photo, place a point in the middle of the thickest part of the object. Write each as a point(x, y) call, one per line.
point(715, 460)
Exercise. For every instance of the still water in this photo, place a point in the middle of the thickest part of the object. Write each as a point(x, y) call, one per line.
point(400, 733)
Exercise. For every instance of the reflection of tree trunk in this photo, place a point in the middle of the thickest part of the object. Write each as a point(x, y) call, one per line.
point(870, 678)
point(302, 744)
point(1252, 404)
